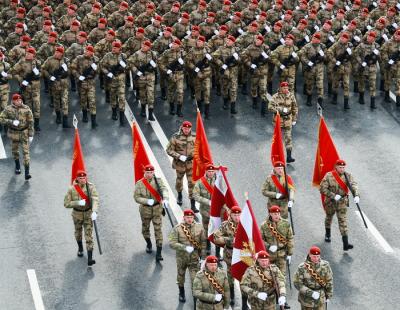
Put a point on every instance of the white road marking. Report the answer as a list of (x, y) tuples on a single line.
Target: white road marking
[(377, 235), (2, 150), (37, 297)]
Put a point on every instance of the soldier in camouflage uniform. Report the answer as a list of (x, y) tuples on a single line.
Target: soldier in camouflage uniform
[(117, 19), (14, 38), (199, 15), (62, 8), (112, 6), (259, 282), (354, 10), (209, 27), (41, 36), (335, 187), (223, 16), (301, 34), (188, 239), (236, 26), (285, 103), (9, 25), (274, 14), (19, 121), (4, 86), (76, 49), (210, 287), (153, 30), (90, 21), (87, 7), (249, 14), (126, 31), (9, 12), (144, 19), (98, 33), (82, 197), (133, 44), (65, 21), (164, 6), (274, 39), (69, 37), (214, 43), (379, 11), (314, 281), (19, 51), (224, 237), (103, 47), (35, 25), (151, 194), (182, 27), (172, 16)]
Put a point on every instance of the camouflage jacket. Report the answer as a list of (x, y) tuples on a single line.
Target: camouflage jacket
[(225, 236), (71, 200), (197, 17), (161, 44), (125, 32), (180, 30), (132, 45), (152, 32), (222, 17), (141, 61), (117, 19), (285, 55), (25, 117), (75, 50), (24, 68), (314, 53), (111, 61), (208, 29), (389, 51), (111, 7), (170, 18), (245, 39), (90, 21), (368, 53), (64, 23), (138, 7), (102, 48), (16, 53), (286, 105), (180, 144), (215, 6), (189, 6), (236, 29), (170, 58), (201, 194), (285, 245), (68, 37), (4, 67), (248, 15), (39, 39), (339, 52), (329, 187), (274, 39), (198, 57), (270, 190), (178, 241), (13, 39), (96, 35), (144, 19), (216, 42), (223, 53), (80, 66), (46, 51), (58, 69), (142, 194), (164, 6), (256, 55)]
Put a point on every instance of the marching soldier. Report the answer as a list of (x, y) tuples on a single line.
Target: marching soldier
[(335, 186), (76, 49), (214, 43), (144, 19), (225, 237), (133, 44), (82, 197), (285, 103), (4, 86), (153, 30), (65, 21), (91, 20), (236, 25), (19, 121), (274, 39), (182, 27), (90, 8), (199, 15), (98, 33), (69, 37), (313, 279), (209, 27), (180, 148), (211, 287), (390, 55), (14, 38), (188, 239), (19, 51), (264, 283), (223, 16), (126, 31), (9, 25), (151, 194), (171, 17), (117, 18)]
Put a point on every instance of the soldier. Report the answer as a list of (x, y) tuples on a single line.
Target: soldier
[(4, 86), (188, 239), (35, 25), (126, 31), (144, 19), (199, 15), (55, 69), (390, 56), (113, 65), (363, 20), (214, 43), (182, 27), (274, 14), (236, 25), (285, 103), (9, 12), (223, 16), (171, 66), (27, 73), (90, 21), (14, 38), (151, 194), (98, 33), (69, 37), (226, 59), (153, 30), (379, 11), (164, 6), (19, 121), (301, 12), (82, 197), (62, 9), (84, 68), (9, 25), (143, 65), (312, 57), (250, 13), (274, 39), (211, 287), (87, 7), (36, 10), (339, 22), (393, 20), (313, 280), (172, 16), (138, 7), (180, 148), (19, 51), (224, 237), (301, 34), (335, 187), (76, 49), (103, 47), (133, 44), (264, 283), (117, 19), (288, 22), (112, 6), (209, 27), (41, 36), (354, 11), (327, 12), (65, 21)]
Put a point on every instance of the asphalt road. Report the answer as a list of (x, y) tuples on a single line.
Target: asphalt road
[(37, 232)]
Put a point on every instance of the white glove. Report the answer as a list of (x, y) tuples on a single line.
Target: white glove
[(310, 63), (284, 110), (208, 56), (253, 66), (4, 74), (94, 216), (337, 197), (152, 63), (15, 122), (189, 249), (315, 295), (264, 54), (294, 54), (30, 140), (240, 30), (188, 32), (169, 71), (81, 78), (293, 123), (82, 202), (273, 248), (122, 63), (94, 66), (369, 27), (356, 199), (327, 301), (332, 39), (348, 50), (139, 73), (289, 259), (278, 195), (52, 78), (150, 202), (180, 60), (209, 203), (262, 296), (64, 66), (316, 28), (290, 204), (36, 71), (307, 38), (110, 75), (364, 64), (338, 63), (344, 26), (25, 83), (282, 40), (197, 70), (385, 37), (282, 300), (235, 55), (282, 67), (357, 38), (376, 52), (216, 32), (224, 67), (267, 28), (394, 25), (182, 158), (218, 297), (347, 8), (391, 62)]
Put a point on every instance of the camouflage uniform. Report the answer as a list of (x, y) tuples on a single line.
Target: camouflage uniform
[(203, 197), (287, 56), (138, 7), (273, 39), (4, 86), (198, 16), (151, 214), (68, 37), (214, 43), (144, 19), (117, 19), (125, 32), (207, 29), (111, 7), (64, 22), (16, 53), (12, 40), (390, 55), (152, 32), (170, 18), (90, 21), (180, 30)]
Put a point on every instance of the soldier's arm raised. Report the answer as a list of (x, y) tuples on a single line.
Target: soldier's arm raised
[(196, 194), (137, 195), (68, 202)]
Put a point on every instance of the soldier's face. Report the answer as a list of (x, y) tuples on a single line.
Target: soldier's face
[(315, 258), (51, 39), (186, 130), (340, 169), (210, 173), (284, 90), (279, 170), (343, 40), (58, 55), (210, 20), (212, 267), (139, 35), (275, 217), (200, 44), (301, 26), (81, 180), (74, 28), (24, 43), (227, 8), (263, 262), (370, 39), (116, 50), (101, 26), (195, 33), (17, 102), (229, 42), (71, 12), (81, 40), (156, 23), (29, 56), (148, 174), (340, 16), (315, 41), (288, 17), (277, 29), (397, 37), (89, 54), (95, 10), (327, 27), (235, 217), (145, 48), (175, 9), (188, 219), (288, 42), (222, 33)]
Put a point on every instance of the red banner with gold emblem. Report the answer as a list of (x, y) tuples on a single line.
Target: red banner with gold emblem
[(140, 158), (202, 153), (77, 158), (277, 149)]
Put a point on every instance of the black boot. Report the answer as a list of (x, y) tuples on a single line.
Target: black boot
[(382, 86), (80, 248), (51, 103), (304, 89), (387, 96), (355, 87), (327, 235), (179, 110), (143, 110), (308, 103), (163, 94), (244, 302), (329, 88), (193, 206), (397, 101), (151, 116), (84, 116), (361, 98), (233, 108), (346, 244), (286, 306), (108, 97), (373, 105), (93, 119), (122, 118), (320, 101), (182, 297), (114, 114), (149, 246), (171, 108), (208, 248), (36, 124), (179, 199), (46, 85), (158, 254), (346, 103), (255, 103), (200, 106), (289, 157), (218, 89), (17, 167), (90, 260), (27, 175), (232, 289), (65, 122), (270, 88), (192, 93), (207, 111), (334, 99), (73, 84), (244, 88), (58, 117), (226, 104), (263, 110)]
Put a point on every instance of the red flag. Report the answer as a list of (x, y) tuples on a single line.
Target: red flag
[(222, 195), (77, 158), (202, 154), (140, 158), (277, 149), (247, 242), (326, 154)]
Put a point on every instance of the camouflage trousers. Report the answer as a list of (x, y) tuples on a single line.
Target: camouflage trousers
[(312, 77), (392, 75), (163, 78), (287, 136), (258, 86), (228, 262), (117, 92), (258, 304), (60, 99), (329, 72), (270, 75), (84, 223), (279, 261), (4, 92), (341, 74), (145, 86), (317, 307), (289, 75), (205, 216), (229, 83), (31, 96), (202, 89), (87, 95), (181, 170), (175, 84), (369, 74), (153, 215), (20, 138), (183, 262), (341, 213), (283, 205)]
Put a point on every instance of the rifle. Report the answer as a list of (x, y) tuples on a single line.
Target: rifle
[(371, 59), (261, 60), (290, 277), (344, 57), (316, 59), (59, 74), (352, 192), (117, 69), (89, 72), (202, 64), (288, 196), (94, 222), (289, 61), (276, 287), (230, 62), (165, 208), (395, 56), (275, 45), (145, 68), (175, 66)]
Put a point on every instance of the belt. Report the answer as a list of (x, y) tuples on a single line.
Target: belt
[(19, 129), (211, 303), (229, 248), (77, 210)]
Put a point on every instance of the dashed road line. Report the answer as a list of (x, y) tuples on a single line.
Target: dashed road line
[(37, 296)]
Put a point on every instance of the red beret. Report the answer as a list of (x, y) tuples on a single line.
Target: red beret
[(254, 24), (263, 14), (202, 3), (238, 14), (223, 27), (16, 97), (188, 212), (353, 22), (102, 20), (124, 4), (147, 43), (314, 250), (140, 30), (260, 37), (185, 15), (280, 163), (187, 124), (53, 34), (341, 11), (262, 255), (47, 22), (313, 11), (72, 7), (211, 259), (227, 2), (60, 49), (116, 43), (177, 4), (331, 2), (90, 48), (21, 25), (290, 36), (195, 28), (392, 9), (383, 1), (340, 162), (158, 17), (358, 2), (372, 34), (149, 168), (130, 18), (317, 35), (210, 167), (278, 23), (279, 2), (254, 2), (21, 10), (284, 84), (47, 9), (274, 209), (236, 210), (303, 21), (397, 33), (177, 42), (31, 50), (150, 6), (382, 20), (169, 29), (365, 10), (81, 173), (232, 38), (82, 34), (112, 32), (96, 5), (211, 14), (289, 12), (201, 38), (345, 35), (26, 38), (75, 23)]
